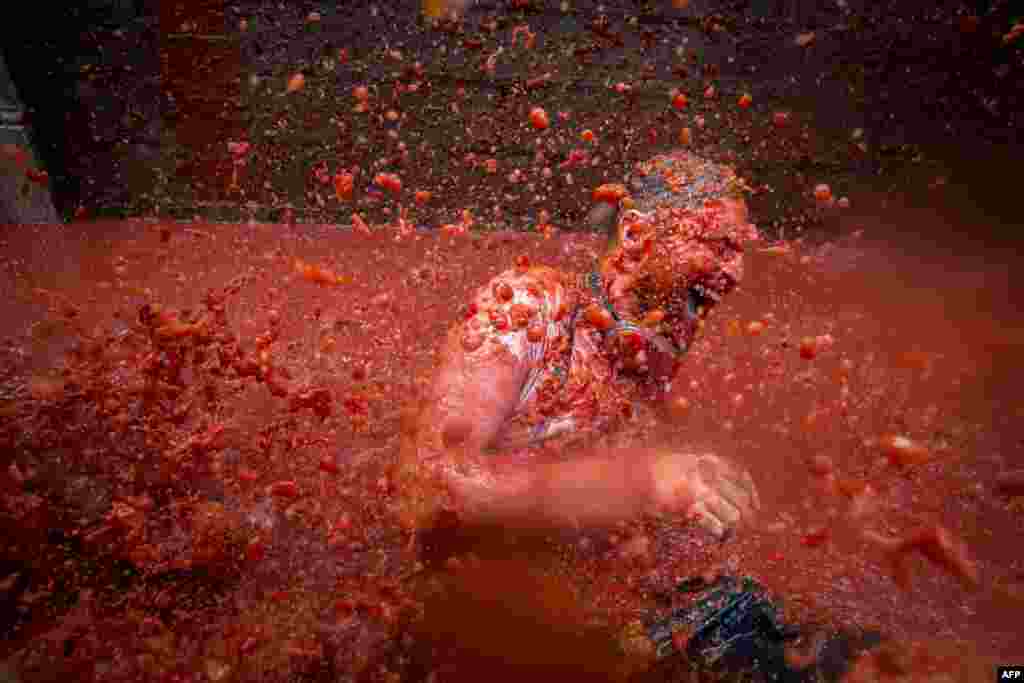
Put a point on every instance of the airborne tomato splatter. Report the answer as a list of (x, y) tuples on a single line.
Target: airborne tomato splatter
[(539, 118)]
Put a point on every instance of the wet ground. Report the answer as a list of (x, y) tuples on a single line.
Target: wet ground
[(171, 513)]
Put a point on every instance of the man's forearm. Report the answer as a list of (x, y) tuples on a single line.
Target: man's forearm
[(592, 492), (600, 490)]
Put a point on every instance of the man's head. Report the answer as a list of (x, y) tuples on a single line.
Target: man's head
[(675, 244)]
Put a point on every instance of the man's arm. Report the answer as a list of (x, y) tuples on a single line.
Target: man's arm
[(472, 394), (476, 390), (482, 368), (601, 490), (595, 490)]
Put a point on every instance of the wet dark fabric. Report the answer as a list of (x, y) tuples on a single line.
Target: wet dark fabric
[(735, 633)]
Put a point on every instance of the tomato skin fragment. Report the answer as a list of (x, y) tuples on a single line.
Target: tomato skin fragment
[(653, 318), (246, 474), (499, 320), (808, 348), (611, 193), (815, 537), (503, 291), (521, 315), (37, 176), (599, 317), (256, 550), (344, 183), (901, 451), (284, 489), (389, 181), (316, 274)]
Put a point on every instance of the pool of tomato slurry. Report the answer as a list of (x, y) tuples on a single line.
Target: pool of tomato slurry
[(866, 384)]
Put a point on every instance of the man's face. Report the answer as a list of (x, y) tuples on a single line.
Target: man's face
[(666, 268)]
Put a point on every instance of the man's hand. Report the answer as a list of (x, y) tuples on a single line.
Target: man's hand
[(720, 495)]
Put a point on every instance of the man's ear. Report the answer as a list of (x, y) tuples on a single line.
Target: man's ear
[(604, 218)]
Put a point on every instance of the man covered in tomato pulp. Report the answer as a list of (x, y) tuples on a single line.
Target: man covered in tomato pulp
[(543, 353)]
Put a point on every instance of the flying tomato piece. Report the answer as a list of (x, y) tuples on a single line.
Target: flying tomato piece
[(611, 193), (296, 83), (539, 118), (343, 185), (389, 181), (284, 489)]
